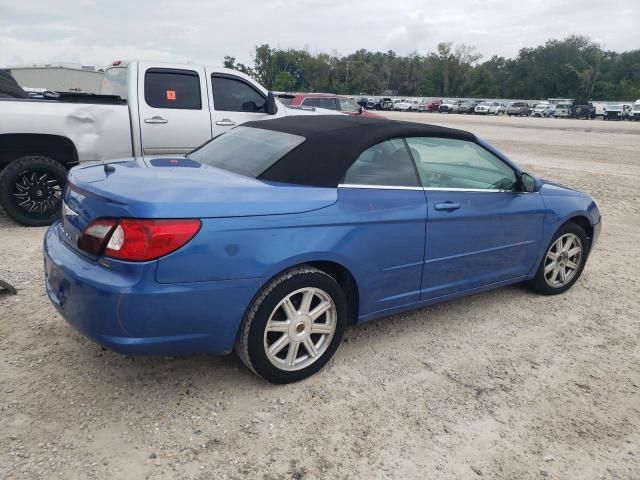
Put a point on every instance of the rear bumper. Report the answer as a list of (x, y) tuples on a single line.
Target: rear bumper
[(126, 310)]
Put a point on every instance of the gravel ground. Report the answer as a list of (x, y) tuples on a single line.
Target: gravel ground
[(504, 384)]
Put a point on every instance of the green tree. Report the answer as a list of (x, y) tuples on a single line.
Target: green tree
[(572, 67)]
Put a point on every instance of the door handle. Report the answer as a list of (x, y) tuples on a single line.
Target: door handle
[(225, 122), (156, 119), (449, 206)]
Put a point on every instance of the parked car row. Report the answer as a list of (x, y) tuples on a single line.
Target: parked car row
[(545, 109), (326, 101), (556, 108)]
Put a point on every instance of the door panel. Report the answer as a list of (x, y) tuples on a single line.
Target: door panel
[(386, 242), (381, 198), (235, 100), (491, 236), (479, 229), (173, 109)]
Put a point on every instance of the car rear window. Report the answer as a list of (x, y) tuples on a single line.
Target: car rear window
[(172, 88), (245, 150)]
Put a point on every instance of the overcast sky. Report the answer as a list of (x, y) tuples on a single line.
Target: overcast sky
[(96, 32)]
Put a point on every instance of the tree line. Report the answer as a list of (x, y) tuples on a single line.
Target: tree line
[(574, 67)]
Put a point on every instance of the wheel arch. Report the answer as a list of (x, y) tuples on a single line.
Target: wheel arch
[(337, 270), (347, 282), (583, 222), (56, 147)]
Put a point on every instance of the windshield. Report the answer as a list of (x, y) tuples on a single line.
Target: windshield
[(484, 104), (347, 105), (285, 99), (114, 82), (246, 151), (636, 107), (614, 107)]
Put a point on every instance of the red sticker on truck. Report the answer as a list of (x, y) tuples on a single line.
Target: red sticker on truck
[(171, 94)]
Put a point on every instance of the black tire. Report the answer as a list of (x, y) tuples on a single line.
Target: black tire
[(250, 343), (35, 179), (539, 284)]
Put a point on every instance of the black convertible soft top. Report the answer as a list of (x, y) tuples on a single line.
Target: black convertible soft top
[(334, 142)]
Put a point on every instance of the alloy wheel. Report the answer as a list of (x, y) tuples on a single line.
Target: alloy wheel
[(300, 329), (563, 260)]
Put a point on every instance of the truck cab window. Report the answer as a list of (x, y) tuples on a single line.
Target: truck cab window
[(234, 95), (172, 88)]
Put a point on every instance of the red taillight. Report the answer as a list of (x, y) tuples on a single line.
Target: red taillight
[(96, 235), (141, 240)]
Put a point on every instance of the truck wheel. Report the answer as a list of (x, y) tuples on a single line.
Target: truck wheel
[(31, 190)]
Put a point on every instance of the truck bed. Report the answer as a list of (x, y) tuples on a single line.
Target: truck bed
[(99, 127)]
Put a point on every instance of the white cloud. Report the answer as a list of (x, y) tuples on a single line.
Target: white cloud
[(92, 32)]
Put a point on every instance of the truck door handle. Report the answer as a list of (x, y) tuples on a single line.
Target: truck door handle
[(156, 119), (449, 206), (225, 122)]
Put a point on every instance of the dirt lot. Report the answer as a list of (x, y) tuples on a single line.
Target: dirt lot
[(505, 384)]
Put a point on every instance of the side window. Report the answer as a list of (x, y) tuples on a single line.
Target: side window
[(347, 105), (320, 102), (385, 164), (234, 95), (449, 163), (172, 88)]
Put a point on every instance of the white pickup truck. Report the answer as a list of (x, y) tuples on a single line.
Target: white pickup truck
[(147, 109)]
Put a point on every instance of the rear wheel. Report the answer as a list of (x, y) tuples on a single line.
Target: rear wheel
[(31, 190), (294, 326), (563, 261)]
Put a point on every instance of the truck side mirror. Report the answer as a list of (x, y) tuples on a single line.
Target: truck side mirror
[(271, 107)]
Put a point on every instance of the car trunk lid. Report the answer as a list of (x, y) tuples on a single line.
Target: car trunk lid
[(176, 188)]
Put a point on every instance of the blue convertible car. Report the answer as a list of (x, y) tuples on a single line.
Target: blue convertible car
[(276, 235)]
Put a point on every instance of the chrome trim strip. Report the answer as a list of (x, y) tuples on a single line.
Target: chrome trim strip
[(379, 187), (490, 190), (426, 189)]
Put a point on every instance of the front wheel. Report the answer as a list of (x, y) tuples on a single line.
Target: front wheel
[(563, 261), (31, 190), (294, 326)]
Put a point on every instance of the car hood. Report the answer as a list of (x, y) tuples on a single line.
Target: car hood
[(183, 188)]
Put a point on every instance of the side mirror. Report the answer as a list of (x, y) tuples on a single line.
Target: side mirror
[(271, 108), (527, 183), (360, 109)]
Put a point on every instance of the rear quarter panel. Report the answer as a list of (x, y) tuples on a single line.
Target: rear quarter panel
[(263, 246), (98, 131)]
